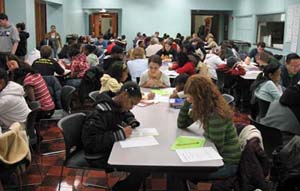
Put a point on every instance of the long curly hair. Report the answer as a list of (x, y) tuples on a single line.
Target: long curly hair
[(207, 99)]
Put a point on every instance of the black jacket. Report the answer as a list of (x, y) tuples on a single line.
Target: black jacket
[(22, 47), (47, 67), (254, 167), (101, 128)]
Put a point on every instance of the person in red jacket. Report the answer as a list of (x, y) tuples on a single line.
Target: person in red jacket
[(183, 65), (232, 67)]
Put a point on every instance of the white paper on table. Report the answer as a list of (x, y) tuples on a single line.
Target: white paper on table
[(144, 132), (171, 73), (198, 154), (139, 142), (159, 98)]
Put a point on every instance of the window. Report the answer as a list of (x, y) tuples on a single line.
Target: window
[(270, 29)]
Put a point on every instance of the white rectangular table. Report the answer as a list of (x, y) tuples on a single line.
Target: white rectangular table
[(159, 157)]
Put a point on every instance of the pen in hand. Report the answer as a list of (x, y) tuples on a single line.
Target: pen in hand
[(127, 130)]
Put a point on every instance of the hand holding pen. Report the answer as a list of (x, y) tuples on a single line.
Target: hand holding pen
[(127, 130)]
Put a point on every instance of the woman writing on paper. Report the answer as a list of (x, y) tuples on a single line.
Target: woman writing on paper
[(215, 116)]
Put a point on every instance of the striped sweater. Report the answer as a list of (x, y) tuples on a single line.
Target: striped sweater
[(221, 132)]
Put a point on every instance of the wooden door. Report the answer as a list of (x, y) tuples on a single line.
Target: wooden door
[(2, 6), (97, 19), (40, 21)]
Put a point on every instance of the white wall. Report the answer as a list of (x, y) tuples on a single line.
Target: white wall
[(165, 16), (244, 20)]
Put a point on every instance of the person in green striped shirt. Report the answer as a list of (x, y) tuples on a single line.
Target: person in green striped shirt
[(210, 108)]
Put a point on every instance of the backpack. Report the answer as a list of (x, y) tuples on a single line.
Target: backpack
[(287, 165)]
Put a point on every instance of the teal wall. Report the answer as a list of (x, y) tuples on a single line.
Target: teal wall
[(67, 15), (167, 16), (244, 20), (22, 11)]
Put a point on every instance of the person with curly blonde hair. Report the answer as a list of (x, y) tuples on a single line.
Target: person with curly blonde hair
[(215, 116)]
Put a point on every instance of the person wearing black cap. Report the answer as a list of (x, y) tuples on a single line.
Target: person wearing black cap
[(117, 53), (111, 121)]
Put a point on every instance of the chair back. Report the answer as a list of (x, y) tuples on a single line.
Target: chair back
[(66, 97), (272, 137), (30, 122), (54, 89), (220, 81), (263, 107), (93, 95), (228, 98), (71, 127)]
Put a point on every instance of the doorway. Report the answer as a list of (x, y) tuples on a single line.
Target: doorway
[(40, 21), (100, 23), (2, 6), (215, 22)]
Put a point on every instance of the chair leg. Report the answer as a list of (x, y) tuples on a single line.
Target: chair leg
[(144, 184), (60, 178)]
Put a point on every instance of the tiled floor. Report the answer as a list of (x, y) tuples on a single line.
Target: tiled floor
[(51, 166)]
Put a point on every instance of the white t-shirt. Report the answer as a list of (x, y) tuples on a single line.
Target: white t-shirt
[(163, 78), (212, 62)]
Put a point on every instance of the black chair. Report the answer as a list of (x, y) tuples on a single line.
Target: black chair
[(66, 100), (93, 95), (263, 107), (272, 138), (55, 90), (228, 98), (220, 81), (71, 127)]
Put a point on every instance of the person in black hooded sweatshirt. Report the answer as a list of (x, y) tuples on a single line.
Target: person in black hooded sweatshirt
[(112, 121)]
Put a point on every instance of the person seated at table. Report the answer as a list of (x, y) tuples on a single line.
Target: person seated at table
[(216, 118), (179, 83), (232, 67), (89, 50), (117, 53), (13, 62), (260, 48), (167, 53), (112, 121), (153, 48), (183, 64), (138, 64), (13, 107), (153, 77), (36, 90), (45, 65), (290, 72), (284, 114), (78, 66), (212, 61), (266, 86), (114, 77), (265, 89), (262, 59), (210, 42)]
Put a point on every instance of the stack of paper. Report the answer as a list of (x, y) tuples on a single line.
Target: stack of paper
[(138, 142), (144, 132), (198, 154)]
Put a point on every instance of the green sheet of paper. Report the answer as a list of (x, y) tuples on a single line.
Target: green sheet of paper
[(186, 142), (160, 92)]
